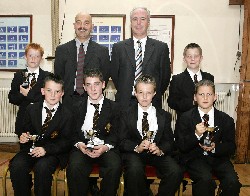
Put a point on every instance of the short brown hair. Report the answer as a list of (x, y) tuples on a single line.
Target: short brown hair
[(192, 45), (92, 73), (146, 79), (204, 83), (34, 46)]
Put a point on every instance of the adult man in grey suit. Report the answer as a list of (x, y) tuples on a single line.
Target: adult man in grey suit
[(155, 60), (66, 57)]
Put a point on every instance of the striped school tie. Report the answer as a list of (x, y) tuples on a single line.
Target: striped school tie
[(96, 115), (47, 119)]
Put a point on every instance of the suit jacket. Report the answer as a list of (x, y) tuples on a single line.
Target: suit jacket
[(97, 56), (57, 137), (181, 91), (16, 98), (188, 144), (156, 63), (108, 116), (130, 136)]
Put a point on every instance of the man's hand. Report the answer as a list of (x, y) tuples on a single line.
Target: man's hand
[(38, 152)]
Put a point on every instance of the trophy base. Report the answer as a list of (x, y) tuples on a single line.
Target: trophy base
[(207, 143), (31, 149), (90, 147)]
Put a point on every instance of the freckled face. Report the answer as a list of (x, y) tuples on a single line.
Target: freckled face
[(33, 58)]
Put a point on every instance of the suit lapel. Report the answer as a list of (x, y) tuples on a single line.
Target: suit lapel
[(72, 50), (196, 116), (133, 118), (149, 48), (188, 79), (83, 111), (105, 112), (90, 52), (129, 47), (38, 118), (161, 122)]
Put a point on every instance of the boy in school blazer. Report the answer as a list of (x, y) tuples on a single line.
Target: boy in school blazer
[(48, 124), (154, 146), (21, 95)]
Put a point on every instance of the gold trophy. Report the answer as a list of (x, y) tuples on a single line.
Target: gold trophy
[(209, 134), (148, 136), (90, 135), (34, 139)]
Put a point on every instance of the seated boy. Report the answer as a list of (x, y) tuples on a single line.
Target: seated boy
[(95, 139), (26, 84), (46, 141), (206, 140), (147, 139), (181, 89)]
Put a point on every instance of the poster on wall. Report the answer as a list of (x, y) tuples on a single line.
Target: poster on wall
[(108, 29), (162, 28), (15, 34)]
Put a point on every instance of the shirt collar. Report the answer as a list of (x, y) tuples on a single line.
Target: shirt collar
[(100, 102), (192, 73), (85, 44), (210, 113), (143, 41), (55, 107), (36, 71), (149, 110)]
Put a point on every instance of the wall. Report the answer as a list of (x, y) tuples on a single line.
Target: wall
[(213, 24)]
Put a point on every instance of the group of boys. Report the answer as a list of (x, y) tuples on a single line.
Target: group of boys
[(94, 130)]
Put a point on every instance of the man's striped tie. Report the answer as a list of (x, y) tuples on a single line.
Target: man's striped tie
[(138, 60)]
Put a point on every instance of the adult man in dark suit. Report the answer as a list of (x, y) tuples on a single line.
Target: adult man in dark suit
[(22, 95), (154, 57), (66, 57), (147, 141), (98, 114), (181, 88), (49, 125), (201, 154)]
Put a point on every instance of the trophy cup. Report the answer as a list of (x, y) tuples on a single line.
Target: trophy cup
[(148, 136), (209, 132), (90, 135), (25, 83), (33, 138)]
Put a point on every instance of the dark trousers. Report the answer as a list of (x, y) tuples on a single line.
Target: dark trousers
[(135, 179), (200, 171), (20, 167), (79, 169)]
